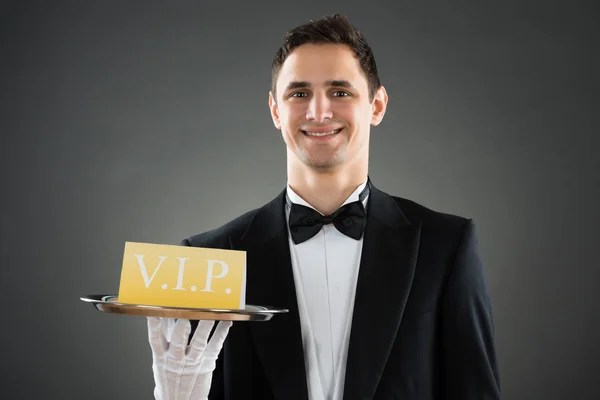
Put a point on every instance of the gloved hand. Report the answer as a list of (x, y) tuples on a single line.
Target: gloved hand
[(182, 371)]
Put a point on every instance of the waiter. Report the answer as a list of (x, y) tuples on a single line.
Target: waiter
[(387, 298)]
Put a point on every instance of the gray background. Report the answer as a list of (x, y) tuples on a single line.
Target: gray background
[(148, 121)]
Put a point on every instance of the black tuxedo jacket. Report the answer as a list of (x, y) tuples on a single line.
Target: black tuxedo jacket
[(421, 326)]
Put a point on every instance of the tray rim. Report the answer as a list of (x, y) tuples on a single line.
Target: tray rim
[(99, 299)]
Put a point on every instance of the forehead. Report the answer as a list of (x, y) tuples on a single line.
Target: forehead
[(319, 63)]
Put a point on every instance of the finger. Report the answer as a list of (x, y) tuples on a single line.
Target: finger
[(179, 339), (218, 338), (169, 328), (164, 331), (155, 335), (200, 339)]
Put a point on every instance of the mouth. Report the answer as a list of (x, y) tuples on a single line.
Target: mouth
[(320, 134)]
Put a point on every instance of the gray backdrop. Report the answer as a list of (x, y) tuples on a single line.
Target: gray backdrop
[(148, 121)]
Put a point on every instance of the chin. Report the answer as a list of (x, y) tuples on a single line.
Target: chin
[(321, 160), (323, 164)]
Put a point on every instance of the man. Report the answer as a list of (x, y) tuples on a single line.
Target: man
[(386, 298)]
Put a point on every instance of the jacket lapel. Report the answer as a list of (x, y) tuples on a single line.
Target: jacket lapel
[(270, 282), (385, 277)]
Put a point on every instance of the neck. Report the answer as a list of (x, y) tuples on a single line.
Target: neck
[(326, 191)]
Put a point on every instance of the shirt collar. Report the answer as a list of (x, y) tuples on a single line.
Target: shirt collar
[(354, 196)]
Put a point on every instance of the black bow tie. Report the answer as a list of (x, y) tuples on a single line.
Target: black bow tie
[(350, 219)]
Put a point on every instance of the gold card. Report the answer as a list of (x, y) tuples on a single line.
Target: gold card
[(183, 276)]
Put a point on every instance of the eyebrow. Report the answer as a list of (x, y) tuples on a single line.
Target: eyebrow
[(304, 84)]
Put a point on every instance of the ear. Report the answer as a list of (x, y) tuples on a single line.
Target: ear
[(379, 106), (274, 111)]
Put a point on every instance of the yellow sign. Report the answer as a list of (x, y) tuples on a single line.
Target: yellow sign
[(183, 276)]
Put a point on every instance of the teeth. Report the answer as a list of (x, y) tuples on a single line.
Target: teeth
[(322, 133)]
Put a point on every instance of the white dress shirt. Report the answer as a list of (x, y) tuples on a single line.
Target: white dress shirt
[(325, 271)]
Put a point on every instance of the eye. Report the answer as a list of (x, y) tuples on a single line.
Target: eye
[(298, 94), (340, 93)]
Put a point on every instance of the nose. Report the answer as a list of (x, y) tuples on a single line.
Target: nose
[(319, 109)]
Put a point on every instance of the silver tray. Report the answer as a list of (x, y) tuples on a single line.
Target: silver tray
[(110, 304)]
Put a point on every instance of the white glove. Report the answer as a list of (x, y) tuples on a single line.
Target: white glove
[(182, 371)]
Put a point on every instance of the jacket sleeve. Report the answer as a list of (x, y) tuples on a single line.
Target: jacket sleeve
[(469, 364), (217, 389)]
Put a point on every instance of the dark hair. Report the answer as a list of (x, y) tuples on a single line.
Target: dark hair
[(331, 29)]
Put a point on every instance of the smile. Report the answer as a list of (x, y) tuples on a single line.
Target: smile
[(322, 133)]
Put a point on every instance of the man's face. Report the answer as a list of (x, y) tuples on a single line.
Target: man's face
[(322, 106)]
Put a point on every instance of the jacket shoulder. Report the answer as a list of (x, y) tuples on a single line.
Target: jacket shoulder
[(442, 233), (219, 237), (432, 220)]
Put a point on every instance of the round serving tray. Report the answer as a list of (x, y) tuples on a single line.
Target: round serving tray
[(110, 304)]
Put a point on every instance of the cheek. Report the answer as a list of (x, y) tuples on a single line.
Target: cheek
[(363, 116), (351, 112), (297, 112), (291, 116), (360, 120)]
